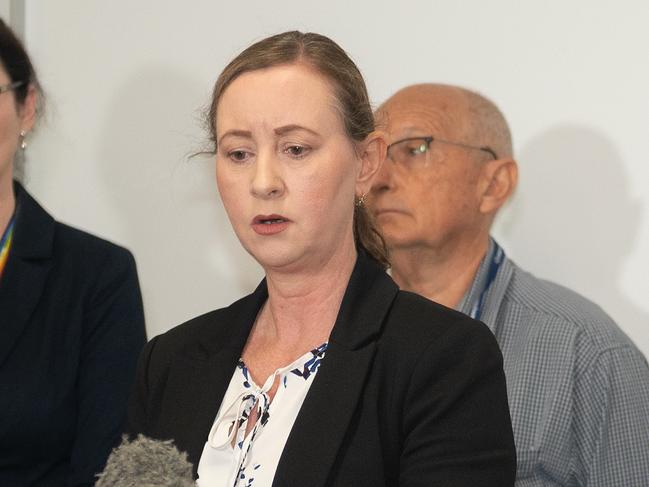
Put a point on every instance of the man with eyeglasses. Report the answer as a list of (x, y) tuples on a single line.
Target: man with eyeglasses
[(578, 387)]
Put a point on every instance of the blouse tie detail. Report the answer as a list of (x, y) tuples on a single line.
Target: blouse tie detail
[(232, 458)]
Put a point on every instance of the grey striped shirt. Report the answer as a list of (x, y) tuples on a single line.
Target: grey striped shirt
[(578, 387)]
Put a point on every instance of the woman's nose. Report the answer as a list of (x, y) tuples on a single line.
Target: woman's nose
[(267, 181)]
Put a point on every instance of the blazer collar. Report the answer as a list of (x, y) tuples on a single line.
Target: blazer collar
[(34, 230), (26, 271), (368, 297), (202, 372), (334, 393), (324, 419)]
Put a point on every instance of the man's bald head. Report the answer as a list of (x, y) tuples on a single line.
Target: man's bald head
[(441, 186), (473, 118)]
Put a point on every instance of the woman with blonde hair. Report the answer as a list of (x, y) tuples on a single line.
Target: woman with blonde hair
[(326, 374)]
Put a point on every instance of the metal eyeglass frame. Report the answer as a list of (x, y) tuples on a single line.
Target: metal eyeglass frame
[(430, 139), (11, 86)]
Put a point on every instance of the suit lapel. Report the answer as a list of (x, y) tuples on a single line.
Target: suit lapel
[(23, 279), (328, 408), (199, 377), (197, 390)]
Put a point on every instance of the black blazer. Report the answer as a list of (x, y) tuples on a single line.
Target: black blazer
[(71, 328), (410, 393)]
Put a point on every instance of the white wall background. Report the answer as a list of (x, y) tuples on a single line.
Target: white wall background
[(126, 81)]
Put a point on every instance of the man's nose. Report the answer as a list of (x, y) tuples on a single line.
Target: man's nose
[(384, 178)]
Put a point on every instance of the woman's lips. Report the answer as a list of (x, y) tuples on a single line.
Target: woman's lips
[(269, 224)]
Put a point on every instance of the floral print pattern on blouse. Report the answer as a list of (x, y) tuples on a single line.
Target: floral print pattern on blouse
[(233, 459)]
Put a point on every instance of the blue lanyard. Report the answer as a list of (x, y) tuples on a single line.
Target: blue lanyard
[(497, 258)]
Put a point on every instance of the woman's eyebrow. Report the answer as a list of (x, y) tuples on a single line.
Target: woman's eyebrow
[(235, 133), (292, 128)]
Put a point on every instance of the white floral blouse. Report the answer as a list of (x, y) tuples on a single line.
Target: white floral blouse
[(233, 459)]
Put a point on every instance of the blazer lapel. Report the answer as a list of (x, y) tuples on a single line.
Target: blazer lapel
[(200, 376), (312, 447), (24, 276), (202, 386)]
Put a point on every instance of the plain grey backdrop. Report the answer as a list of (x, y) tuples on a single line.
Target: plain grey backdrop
[(126, 83)]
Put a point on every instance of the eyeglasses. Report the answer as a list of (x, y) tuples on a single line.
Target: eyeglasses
[(413, 151), (11, 86)]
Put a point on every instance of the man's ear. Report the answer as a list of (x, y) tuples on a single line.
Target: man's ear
[(498, 181), (373, 152), (27, 110)]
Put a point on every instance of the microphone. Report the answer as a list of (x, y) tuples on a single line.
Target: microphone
[(145, 462)]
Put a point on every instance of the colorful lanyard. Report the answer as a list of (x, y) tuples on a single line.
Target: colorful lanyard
[(5, 243), (497, 258)]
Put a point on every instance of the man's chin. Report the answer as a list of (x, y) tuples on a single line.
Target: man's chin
[(393, 231), (396, 241)]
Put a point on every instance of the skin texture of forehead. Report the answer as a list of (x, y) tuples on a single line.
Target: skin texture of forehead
[(453, 112), (445, 108), (305, 68)]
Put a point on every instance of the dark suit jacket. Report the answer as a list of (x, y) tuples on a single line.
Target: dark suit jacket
[(409, 393), (71, 327)]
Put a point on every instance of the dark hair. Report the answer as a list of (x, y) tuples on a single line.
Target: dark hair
[(16, 62), (330, 60)]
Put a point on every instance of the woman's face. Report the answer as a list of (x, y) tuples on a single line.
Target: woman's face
[(286, 170), (14, 118)]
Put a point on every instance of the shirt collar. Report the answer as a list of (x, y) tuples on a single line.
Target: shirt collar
[(473, 293), (493, 303)]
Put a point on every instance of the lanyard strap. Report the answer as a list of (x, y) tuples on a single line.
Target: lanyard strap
[(497, 258), (5, 243)]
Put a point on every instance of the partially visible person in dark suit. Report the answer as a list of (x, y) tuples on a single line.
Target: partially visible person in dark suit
[(71, 320), (327, 374)]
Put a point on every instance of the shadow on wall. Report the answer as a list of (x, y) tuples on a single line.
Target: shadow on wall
[(574, 221), (189, 260)]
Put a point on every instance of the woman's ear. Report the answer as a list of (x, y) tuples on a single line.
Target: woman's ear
[(373, 153), (27, 110), (499, 179)]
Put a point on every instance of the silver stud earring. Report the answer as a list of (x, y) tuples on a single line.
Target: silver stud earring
[(361, 201), (23, 142)]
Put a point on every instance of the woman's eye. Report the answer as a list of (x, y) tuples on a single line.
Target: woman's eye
[(238, 155), (297, 150)]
